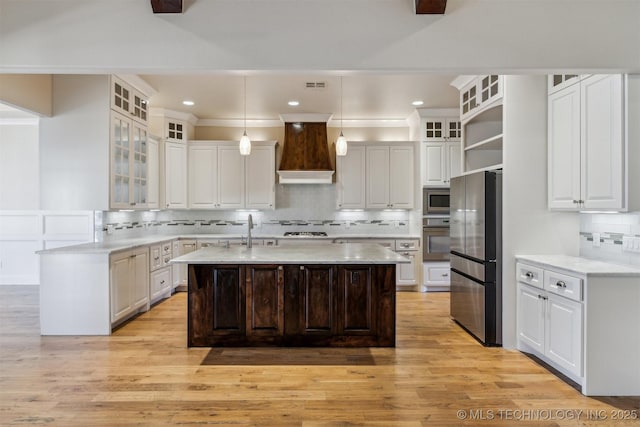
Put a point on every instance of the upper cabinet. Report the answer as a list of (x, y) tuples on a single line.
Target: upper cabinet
[(351, 178), (590, 141), (390, 177), (221, 178), (560, 81), (174, 176), (376, 175), (481, 112), (440, 134), (127, 100), (478, 93), (129, 151), (129, 165), (172, 126)]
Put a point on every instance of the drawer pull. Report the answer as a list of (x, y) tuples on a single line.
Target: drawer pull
[(529, 275), (162, 282), (445, 274), (561, 284)]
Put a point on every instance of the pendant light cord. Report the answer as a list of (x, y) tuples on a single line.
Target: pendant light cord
[(341, 106), (245, 105)]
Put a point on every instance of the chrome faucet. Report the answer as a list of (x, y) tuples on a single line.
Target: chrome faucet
[(249, 226)]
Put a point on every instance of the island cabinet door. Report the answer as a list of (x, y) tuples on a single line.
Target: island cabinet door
[(265, 300), (216, 304), (357, 301), (317, 299)]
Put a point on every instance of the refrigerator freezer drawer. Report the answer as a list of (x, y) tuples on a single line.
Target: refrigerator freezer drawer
[(468, 305), (481, 271)]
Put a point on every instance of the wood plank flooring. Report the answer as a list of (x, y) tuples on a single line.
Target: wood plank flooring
[(145, 375)]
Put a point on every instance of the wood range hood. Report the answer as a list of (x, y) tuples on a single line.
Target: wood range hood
[(305, 153)]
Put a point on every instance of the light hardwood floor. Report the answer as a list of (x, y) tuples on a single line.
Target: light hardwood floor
[(145, 375)]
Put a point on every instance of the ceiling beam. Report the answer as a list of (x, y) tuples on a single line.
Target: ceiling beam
[(167, 6), (431, 7)]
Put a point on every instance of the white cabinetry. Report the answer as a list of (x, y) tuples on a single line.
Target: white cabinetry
[(390, 176), (548, 323), (174, 188), (408, 274), (481, 112), (128, 163), (221, 178), (160, 271), (436, 276), (179, 272), (478, 93), (260, 181), (351, 178), (584, 325), (129, 283), (440, 129), (129, 101), (440, 162), (588, 145), (153, 172)]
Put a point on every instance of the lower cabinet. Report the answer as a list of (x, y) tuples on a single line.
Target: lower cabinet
[(129, 283), (436, 276), (552, 326), (293, 305)]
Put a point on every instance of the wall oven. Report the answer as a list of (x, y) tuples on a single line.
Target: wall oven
[(435, 201), (435, 239)]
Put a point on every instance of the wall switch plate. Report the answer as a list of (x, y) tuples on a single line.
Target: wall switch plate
[(110, 228), (596, 239), (631, 244)]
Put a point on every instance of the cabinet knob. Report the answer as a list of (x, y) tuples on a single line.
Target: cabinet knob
[(302, 267), (529, 274), (280, 268), (162, 282), (445, 274), (561, 284)]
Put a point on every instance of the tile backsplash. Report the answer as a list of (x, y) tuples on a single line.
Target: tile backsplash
[(299, 208), (610, 229)]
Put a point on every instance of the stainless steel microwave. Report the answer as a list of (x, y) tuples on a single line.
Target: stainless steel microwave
[(435, 201)]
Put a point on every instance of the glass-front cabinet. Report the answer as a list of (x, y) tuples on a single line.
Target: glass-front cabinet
[(128, 163)]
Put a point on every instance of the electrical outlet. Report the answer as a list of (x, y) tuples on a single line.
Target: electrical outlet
[(109, 228), (596, 239)]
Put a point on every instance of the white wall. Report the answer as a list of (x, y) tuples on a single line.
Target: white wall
[(74, 145), (527, 226), (472, 36), (19, 164)]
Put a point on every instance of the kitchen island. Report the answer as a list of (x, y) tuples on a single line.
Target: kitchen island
[(340, 295)]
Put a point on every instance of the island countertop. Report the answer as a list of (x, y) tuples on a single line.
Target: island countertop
[(330, 253)]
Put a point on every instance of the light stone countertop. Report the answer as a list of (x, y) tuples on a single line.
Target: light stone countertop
[(584, 266), (330, 253), (112, 246)]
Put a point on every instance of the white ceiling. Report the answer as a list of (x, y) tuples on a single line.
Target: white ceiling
[(371, 96)]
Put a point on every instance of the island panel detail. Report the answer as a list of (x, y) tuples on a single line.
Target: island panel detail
[(291, 305)]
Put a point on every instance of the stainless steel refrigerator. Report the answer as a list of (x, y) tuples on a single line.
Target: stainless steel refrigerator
[(476, 252)]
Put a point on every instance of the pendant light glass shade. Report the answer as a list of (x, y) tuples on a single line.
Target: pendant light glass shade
[(341, 142), (245, 142), (341, 145)]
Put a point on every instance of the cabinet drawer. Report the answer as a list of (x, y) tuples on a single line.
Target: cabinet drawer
[(530, 275), (166, 248), (561, 284), (407, 245)]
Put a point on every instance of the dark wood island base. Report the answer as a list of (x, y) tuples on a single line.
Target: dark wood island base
[(327, 305)]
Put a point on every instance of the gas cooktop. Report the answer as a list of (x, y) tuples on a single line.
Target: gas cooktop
[(306, 233)]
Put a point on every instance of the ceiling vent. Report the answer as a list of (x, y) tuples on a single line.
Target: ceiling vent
[(316, 85)]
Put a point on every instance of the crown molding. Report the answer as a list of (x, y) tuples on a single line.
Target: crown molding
[(179, 115)]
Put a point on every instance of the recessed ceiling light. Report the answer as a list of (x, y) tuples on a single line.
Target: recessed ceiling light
[(417, 103), (293, 103), (188, 103)]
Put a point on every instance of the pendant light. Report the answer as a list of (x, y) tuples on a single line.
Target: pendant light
[(341, 142), (245, 142)]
